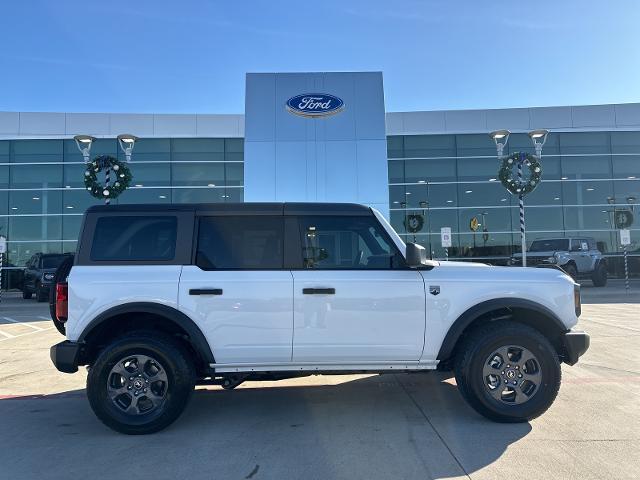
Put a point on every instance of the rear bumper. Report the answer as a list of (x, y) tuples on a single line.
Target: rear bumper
[(575, 343), (66, 356)]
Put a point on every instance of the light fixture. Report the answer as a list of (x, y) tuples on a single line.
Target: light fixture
[(424, 204), (407, 193), (468, 191), (557, 198), (84, 142), (396, 201), (538, 137), (492, 179), (449, 201), (127, 142), (36, 198), (139, 185), (500, 137), (631, 177), (564, 178), (14, 208), (211, 185), (631, 199), (590, 189), (503, 199), (421, 181), (162, 196), (69, 206)]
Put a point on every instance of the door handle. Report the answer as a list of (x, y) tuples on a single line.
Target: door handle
[(319, 291), (205, 291)]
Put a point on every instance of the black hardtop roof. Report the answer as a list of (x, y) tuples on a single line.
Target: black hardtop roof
[(245, 208)]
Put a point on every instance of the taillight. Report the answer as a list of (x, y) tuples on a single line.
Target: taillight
[(62, 298), (576, 299)]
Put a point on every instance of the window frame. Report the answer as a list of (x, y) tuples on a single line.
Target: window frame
[(295, 231), (184, 234)]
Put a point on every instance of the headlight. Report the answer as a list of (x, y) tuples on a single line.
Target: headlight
[(550, 260), (48, 276)]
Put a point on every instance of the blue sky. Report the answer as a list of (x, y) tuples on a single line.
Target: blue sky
[(192, 56)]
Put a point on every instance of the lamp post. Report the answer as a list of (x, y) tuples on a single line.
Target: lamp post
[(127, 142), (84, 142)]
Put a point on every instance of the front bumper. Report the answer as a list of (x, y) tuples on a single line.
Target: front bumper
[(575, 343), (66, 356)]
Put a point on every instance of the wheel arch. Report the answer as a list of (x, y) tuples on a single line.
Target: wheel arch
[(140, 315), (518, 309)]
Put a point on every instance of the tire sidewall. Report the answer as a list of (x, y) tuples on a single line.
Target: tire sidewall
[(547, 390), (180, 379)]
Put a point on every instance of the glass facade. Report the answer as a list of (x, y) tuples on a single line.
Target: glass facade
[(450, 180), (42, 194)]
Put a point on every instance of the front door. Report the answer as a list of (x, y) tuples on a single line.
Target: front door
[(354, 299), (238, 291)]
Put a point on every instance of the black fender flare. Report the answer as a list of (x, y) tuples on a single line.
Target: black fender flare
[(468, 317), (197, 338)]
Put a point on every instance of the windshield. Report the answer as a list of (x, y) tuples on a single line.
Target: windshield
[(550, 245), (52, 262)]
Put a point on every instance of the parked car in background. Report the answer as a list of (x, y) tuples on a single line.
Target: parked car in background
[(39, 274), (579, 257)]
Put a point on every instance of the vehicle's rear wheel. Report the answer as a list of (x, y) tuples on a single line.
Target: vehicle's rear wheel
[(141, 383), (508, 372), (571, 270), (599, 276), (26, 294)]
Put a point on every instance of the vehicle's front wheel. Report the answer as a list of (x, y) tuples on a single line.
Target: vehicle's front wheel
[(599, 276), (141, 383), (508, 372)]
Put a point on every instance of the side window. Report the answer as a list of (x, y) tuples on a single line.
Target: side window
[(241, 243), (134, 238), (346, 243)]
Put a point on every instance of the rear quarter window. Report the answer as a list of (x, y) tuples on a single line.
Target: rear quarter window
[(134, 238)]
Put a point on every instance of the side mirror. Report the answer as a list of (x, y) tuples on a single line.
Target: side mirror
[(416, 255)]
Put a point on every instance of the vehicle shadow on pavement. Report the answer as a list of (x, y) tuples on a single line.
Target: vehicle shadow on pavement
[(387, 426)]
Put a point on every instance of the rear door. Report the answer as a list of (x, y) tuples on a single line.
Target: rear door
[(238, 291), (354, 299)]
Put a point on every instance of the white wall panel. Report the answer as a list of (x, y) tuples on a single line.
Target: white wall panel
[(466, 120), (87, 124), (219, 126), (510, 118), (133, 123), (32, 123), (262, 174), (9, 123), (174, 125), (550, 117), (593, 116)]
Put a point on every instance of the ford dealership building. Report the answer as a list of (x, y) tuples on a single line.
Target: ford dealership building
[(327, 137)]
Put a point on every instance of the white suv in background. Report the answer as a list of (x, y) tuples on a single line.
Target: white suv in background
[(162, 298)]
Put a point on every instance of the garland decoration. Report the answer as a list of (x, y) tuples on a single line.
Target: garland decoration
[(122, 180), (530, 179)]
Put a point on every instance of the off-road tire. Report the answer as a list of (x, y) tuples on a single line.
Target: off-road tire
[(26, 294), (599, 276), (469, 363), (175, 360)]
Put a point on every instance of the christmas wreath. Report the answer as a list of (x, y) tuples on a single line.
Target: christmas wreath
[(121, 178), (530, 176)]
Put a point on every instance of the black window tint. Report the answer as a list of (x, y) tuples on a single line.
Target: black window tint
[(134, 238), (346, 243), (243, 242)]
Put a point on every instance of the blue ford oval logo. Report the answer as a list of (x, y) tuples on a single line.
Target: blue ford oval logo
[(315, 105)]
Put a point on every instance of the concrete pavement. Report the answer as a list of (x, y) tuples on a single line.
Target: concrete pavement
[(358, 426)]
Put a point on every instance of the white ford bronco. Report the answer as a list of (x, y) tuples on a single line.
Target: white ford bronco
[(163, 298)]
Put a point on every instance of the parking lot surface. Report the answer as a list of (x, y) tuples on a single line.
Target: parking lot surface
[(400, 426)]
